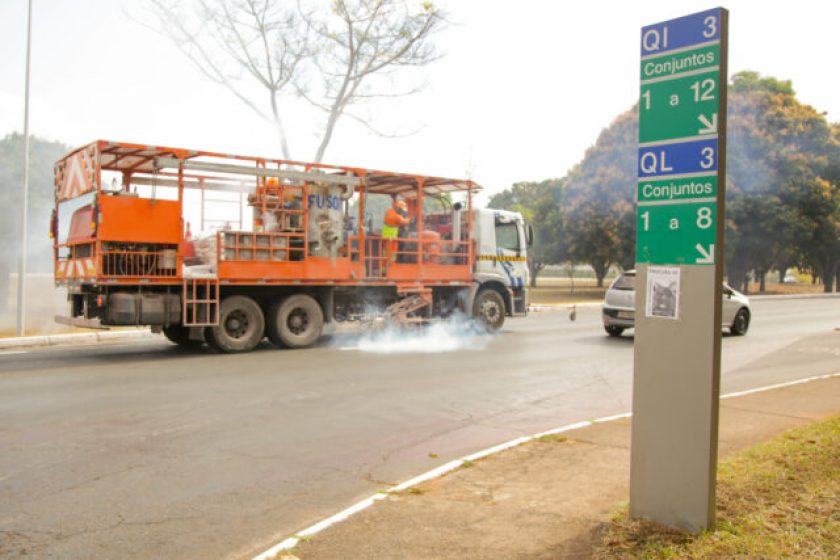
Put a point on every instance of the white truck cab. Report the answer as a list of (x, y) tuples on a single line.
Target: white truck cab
[(501, 279)]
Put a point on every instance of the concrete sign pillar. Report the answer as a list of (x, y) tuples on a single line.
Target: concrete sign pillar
[(679, 256)]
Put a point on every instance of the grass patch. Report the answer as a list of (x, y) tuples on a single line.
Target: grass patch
[(412, 490), (467, 464), (552, 438), (776, 500)]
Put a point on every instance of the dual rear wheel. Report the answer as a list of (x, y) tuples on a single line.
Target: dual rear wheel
[(293, 322)]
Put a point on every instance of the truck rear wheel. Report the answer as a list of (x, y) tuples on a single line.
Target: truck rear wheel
[(489, 309), (241, 326), (295, 322), (180, 335)]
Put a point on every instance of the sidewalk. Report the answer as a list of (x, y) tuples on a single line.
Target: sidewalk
[(548, 498), (92, 337)]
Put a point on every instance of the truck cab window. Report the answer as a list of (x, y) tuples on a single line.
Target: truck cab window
[(507, 236)]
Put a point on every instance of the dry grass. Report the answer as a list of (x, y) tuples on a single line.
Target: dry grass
[(560, 291), (776, 500), (787, 289)]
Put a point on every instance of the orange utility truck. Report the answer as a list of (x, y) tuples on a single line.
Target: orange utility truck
[(227, 250)]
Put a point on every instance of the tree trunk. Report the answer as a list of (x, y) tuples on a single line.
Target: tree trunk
[(828, 271), (281, 130), (762, 286), (572, 276), (600, 273), (4, 286), (534, 268)]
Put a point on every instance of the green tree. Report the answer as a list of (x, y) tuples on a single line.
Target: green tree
[(539, 204), (778, 156), (599, 203)]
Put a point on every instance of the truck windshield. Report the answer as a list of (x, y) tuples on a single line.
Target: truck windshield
[(507, 236)]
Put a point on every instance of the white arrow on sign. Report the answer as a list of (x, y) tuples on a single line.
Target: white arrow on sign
[(707, 257), (709, 127)]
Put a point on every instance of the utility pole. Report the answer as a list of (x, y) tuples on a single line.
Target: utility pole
[(21, 302)]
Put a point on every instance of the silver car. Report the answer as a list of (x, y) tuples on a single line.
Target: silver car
[(620, 304)]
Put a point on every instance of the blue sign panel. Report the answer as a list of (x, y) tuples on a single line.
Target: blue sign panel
[(682, 32), (699, 156)]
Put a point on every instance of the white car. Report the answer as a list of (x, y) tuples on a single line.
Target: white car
[(620, 305)]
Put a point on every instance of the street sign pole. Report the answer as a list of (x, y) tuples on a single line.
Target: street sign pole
[(679, 263), (21, 295)]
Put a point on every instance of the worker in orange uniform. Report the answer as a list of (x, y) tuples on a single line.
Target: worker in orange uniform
[(395, 218)]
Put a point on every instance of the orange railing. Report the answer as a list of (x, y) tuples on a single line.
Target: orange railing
[(253, 246), (406, 250)]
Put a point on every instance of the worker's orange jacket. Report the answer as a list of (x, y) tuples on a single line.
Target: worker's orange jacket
[(394, 219)]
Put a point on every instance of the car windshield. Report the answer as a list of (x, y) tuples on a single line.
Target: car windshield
[(624, 282)]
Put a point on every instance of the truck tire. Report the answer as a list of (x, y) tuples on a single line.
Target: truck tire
[(241, 326), (180, 335), (295, 322), (489, 309)]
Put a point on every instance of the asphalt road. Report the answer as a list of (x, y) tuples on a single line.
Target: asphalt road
[(142, 450)]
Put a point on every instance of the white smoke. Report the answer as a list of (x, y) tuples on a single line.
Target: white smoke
[(441, 335)]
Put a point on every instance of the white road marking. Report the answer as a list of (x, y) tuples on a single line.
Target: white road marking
[(293, 540), (8, 352)]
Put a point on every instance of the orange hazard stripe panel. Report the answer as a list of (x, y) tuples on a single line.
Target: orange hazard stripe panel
[(75, 267), (77, 176)]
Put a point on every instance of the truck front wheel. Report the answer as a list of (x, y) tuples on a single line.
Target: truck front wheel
[(295, 322), (241, 326), (489, 309)]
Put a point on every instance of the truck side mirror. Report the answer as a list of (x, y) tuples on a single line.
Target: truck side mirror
[(529, 234)]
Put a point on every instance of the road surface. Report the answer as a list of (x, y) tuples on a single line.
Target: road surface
[(142, 450)]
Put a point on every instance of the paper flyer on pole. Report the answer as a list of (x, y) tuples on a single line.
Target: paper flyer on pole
[(663, 293)]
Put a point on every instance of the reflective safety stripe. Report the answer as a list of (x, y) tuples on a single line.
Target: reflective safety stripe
[(500, 258), (390, 232)]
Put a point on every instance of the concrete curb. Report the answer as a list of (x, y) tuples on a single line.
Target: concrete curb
[(68, 339), (833, 295), (563, 306)]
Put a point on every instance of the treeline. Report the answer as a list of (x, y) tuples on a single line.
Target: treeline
[(782, 199), (43, 155)]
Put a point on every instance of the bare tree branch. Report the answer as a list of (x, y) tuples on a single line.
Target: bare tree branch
[(223, 38), (365, 39), (345, 56)]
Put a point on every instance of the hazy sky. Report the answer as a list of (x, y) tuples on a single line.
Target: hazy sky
[(521, 92)]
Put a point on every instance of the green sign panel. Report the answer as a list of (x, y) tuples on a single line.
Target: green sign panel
[(684, 188), (693, 60), (681, 114), (679, 108), (676, 233)]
